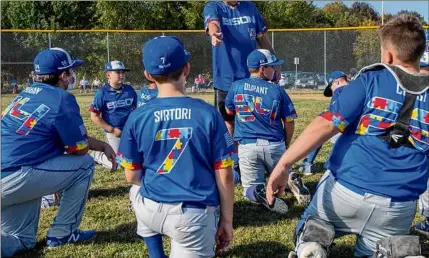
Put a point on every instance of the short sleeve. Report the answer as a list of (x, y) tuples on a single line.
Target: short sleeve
[(348, 106), (135, 98), (288, 111), (97, 104), (261, 26), (210, 14), (128, 155), (229, 102), (70, 126), (223, 147)]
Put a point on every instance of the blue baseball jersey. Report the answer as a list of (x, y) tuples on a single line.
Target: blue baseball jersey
[(362, 161), (259, 107), (114, 105), (42, 122), (241, 26), (178, 142), (145, 95)]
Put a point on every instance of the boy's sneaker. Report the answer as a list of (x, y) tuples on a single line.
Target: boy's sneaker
[(299, 190), (306, 169), (76, 237), (423, 227), (278, 205)]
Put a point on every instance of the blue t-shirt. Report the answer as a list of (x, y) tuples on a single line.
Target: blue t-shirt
[(115, 105), (145, 95), (259, 107), (178, 142), (42, 122), (362, 161), (241, 26)]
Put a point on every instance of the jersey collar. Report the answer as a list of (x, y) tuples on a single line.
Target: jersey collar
[(232, 6), (110, 89)]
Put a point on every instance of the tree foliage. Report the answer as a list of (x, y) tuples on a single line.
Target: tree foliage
[(355, 48)]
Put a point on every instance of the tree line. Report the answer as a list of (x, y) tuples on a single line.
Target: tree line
[(358, 48)]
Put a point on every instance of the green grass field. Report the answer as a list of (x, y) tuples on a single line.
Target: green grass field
[(257, 232)]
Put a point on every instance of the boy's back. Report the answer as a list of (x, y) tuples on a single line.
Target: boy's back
[(179, 142), (260, 106)]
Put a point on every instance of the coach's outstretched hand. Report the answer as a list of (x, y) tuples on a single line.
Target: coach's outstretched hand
[(111, 156), (277, 183), (223, 237)]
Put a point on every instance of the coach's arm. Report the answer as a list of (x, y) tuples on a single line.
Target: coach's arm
[(97, 145)]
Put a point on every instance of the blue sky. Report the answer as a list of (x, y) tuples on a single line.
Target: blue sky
[(393, 7)]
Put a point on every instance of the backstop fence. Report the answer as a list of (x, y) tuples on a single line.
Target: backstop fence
[(305, 51)]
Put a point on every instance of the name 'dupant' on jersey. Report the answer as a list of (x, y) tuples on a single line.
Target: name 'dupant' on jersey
[(257, 89), (172, 114), (120, 103)]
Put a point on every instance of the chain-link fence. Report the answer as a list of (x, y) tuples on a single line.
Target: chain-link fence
[(319, 52)]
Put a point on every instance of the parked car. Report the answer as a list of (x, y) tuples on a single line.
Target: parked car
[(306, 80)]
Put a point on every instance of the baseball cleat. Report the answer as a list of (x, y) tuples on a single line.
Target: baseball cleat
[(278, 205), (299, 190), (76, 237)]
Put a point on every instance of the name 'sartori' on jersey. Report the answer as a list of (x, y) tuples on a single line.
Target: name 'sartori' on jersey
[(172, 114)]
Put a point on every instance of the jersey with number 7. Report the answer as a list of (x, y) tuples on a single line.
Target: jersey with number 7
[(178, 142)]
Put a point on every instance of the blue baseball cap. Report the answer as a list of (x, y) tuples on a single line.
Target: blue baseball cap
[(115, 66), (164, 54), (262, 57), (54, 61), (331, 78)]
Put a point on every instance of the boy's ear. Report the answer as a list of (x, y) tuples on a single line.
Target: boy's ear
[(187, 69), (107, 74), (148, 77), (261, 69)]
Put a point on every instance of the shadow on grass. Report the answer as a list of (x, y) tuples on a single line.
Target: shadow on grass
[(259, 249), (108, 192), (251, 214), (37, 251), (123, 233)]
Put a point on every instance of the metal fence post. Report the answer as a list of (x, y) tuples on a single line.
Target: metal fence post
[(272, 39), (324, 52), (49, 40), (107, 47)]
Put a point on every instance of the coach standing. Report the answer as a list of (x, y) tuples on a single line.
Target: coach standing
[(234, 28)]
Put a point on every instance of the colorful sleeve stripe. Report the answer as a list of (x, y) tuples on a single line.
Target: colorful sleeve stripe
[(94, 109), (262, 33), (291, 118), (79, 146), (229, 111), (225, 162), (336, 119), (127, 163)]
